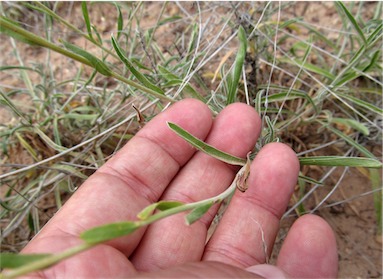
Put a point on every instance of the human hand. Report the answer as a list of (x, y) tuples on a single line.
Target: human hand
[(158, 165)]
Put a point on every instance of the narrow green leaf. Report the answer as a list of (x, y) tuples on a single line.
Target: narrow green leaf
[(318, 33), (238, 64), (38, 40), (362, 103), (85, 14), (27, 146), (303, 178), (108, 232), (309, 67), (8, 102), (73, 171), (162, 205), (165, 205), (376, 183), (193, 41), (99, 65), (353, 124), (289, 96), (206, 148), (341, 161), (14, 34), (270, 137), (350, 141), (376, 35), (48, 141), (147, 211), (347, 77), (374, 60), (169, 19), (356, 58), (8, 260), (352, 20), (133, 70), (5, 68), (173, 80), (78, 116), (197, 213), (56, 132), (99, 38)]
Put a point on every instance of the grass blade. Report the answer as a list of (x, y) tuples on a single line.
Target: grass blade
[(352, 21), (48, 141), (353, 124), (362, 103), (376, 35), (99, 65), (133, 70), (303, 178), (341, 161), (309, 67), (12, 32), (173, 80), (85, 14), (239, 60), (373, 62), (376, 182), (193, 42), (293, 94), (27, 146), (8, 102), (204, 147), (350, 141), (120, 21)]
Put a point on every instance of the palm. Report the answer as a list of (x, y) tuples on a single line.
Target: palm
[(156, 164)]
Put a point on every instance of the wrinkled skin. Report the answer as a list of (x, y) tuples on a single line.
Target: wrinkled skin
[(157, 164)]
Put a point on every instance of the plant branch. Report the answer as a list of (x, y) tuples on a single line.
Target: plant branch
[(45, 262), (54, 259)]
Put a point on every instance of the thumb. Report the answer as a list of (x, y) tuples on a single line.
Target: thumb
[(204, 269)]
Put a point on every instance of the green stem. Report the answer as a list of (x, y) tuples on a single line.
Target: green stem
[(190, 206), (54, 259), (41, 7), (4, 22), (44, 43), (46, 262), (143, 88)]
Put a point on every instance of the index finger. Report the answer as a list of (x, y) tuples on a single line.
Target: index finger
[(135, 177)]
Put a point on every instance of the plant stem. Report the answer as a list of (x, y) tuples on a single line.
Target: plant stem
[(54, 259), (4, 23), (143, 88), (41, 7), (190, 206), (46, 262)]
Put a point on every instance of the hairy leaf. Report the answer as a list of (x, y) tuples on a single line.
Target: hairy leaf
[(8, 260), (206, 148), (108, 232)]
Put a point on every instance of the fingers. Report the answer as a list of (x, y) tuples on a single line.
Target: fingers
[(247, 231), (171, 241), (309, 250), (200, 270), (132, 179)]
